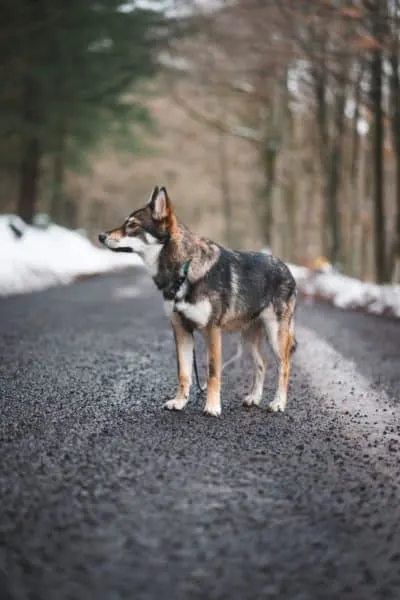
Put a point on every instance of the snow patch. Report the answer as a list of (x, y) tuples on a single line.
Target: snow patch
[(323, 281), (33, 258), (347, 292)]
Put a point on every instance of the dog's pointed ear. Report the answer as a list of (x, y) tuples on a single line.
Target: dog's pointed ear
[(160, 204)]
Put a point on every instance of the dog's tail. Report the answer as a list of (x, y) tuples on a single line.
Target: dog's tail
[(291, 323)]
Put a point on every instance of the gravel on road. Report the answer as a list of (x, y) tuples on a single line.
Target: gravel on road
[(106, 496)]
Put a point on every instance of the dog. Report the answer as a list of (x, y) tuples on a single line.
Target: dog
[(212, 289)]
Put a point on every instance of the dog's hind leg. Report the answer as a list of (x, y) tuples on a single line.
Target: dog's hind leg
[(184, 351), (253, 337), (281, 337)]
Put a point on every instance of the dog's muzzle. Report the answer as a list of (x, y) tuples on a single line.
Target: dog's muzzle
[(102, 237)]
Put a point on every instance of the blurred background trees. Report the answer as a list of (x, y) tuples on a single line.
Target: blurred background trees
[(273, 122), (66, 71)]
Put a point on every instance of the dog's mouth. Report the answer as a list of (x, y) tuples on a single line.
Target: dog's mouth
[(113, 244), (122, 249)]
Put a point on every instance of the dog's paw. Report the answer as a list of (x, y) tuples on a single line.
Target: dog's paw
[(277, 405), (251, 400), (213, 410), (175, 404)]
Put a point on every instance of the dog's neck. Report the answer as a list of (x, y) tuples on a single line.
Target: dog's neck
[(183, 246), (174, 283), (150, 257), (179, 246), (176, 251)]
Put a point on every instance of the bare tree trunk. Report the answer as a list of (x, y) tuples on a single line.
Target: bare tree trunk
[(395, 259), (394, 266), (290, 218), (320, 84), (334, 180), (290, 189), (31, 154), (379, 211), (57, 207), (360, 210), (225, 186), (269, 167), (330, 153), (272, 143), (356, 158)]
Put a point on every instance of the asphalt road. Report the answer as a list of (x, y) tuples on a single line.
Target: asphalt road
[(106, 496)]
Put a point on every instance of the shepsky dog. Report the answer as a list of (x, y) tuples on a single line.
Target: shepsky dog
[(212, 289)]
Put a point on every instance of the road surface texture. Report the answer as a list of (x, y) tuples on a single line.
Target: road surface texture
[(106, 496)]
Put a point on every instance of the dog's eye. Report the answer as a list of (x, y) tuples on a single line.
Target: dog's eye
[(132, 227)]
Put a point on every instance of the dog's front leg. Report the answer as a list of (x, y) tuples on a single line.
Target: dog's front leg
[(214, 351), (184, 354)]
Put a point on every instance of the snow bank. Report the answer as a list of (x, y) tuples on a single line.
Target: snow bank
[(347, 292), (33, 259), (324, 282)]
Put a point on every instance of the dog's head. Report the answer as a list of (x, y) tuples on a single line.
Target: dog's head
[(146, 228)]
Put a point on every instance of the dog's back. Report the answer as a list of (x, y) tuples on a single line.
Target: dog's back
[(240, 285)]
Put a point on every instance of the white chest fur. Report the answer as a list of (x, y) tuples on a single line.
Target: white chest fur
[(150, 257), (199, 312)]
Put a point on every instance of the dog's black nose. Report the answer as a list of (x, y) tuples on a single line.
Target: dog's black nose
[(102, 237)]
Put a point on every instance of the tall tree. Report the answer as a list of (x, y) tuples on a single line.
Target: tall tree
[(73, 66), (394, 111), (377, 107)]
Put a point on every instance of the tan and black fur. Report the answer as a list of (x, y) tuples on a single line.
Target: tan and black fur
[(222, 290)]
